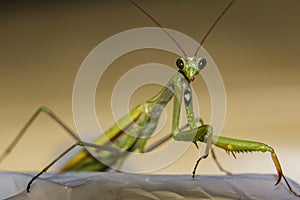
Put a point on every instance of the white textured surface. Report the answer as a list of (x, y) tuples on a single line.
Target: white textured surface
[(136, 186)]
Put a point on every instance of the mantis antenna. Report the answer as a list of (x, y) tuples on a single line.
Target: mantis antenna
[(160, 26), (172, 38), (212, 27)]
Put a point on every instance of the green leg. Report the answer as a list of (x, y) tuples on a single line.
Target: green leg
[(163, 140), (79, 143), (52, 115), (237, 146), (207, 150), (200, 133), (49, 165), (168, 137), (204, 134), (42, 109)]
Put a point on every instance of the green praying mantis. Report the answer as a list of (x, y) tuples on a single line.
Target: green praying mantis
[(130, 133)]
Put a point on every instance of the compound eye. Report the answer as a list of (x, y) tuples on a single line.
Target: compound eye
[(180, 63), (202, 63)]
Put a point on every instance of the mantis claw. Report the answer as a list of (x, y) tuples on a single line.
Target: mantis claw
[(195, 143), (279, 179), (280, 173)]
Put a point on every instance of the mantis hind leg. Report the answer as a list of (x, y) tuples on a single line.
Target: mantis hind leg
[(48, 112), (53, 116), (78, 143)]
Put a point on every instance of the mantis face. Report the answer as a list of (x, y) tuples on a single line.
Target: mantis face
[(191, 66)]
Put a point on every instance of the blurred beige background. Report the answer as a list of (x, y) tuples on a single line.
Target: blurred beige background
[(256, 47)]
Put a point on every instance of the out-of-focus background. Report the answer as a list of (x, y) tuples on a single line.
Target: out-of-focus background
[(256, 47)]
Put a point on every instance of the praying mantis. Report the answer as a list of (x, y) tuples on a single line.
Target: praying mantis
[(188, 68)]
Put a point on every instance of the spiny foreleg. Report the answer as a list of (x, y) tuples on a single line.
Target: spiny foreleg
[(204, 134), (236, 146)]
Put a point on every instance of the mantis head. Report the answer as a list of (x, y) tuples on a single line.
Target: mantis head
[(191, 66)]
